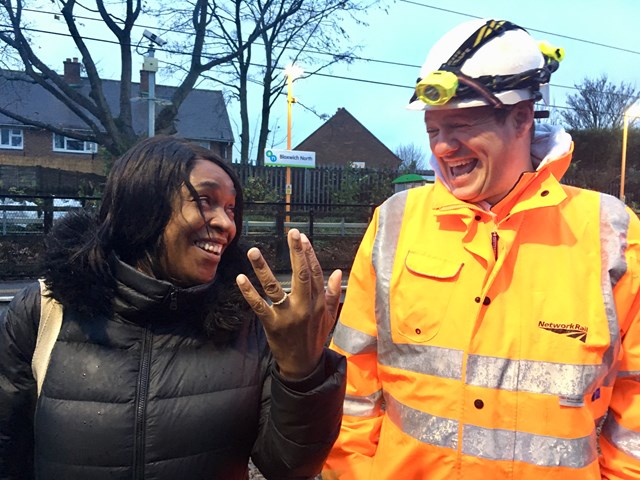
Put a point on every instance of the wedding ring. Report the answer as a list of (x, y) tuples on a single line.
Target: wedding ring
[(281, 301)]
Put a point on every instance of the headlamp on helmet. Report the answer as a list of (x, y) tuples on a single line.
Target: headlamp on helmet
[(439, 87)]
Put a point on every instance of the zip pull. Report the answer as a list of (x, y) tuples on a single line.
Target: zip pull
[(494, 244), (173, 304)]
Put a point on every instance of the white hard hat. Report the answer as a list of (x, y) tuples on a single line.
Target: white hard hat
[(495, 62)]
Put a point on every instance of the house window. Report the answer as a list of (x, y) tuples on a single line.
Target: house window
[(66, 144), (11, 138)]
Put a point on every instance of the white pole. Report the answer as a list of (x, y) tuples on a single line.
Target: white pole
[(152, 96)]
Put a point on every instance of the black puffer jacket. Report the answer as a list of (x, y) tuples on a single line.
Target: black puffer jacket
[(140, 391)]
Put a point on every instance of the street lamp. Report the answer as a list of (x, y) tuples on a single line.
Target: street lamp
[(150, 65), (632, 111), (292, 72)]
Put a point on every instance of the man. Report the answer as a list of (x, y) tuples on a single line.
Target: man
[(491, 321)]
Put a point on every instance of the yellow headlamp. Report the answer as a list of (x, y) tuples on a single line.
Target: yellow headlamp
[(437, 88), (548, 50)]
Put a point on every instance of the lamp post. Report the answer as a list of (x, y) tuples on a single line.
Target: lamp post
[(150, 65), (292, 72), (632, 111)]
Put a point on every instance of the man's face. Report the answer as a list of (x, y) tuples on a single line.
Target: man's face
[(480, 158), (194, 244)]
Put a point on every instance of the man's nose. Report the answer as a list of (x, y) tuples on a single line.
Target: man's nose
[(444, 144)]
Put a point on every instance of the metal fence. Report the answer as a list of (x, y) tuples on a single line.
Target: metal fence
[(36, 214)]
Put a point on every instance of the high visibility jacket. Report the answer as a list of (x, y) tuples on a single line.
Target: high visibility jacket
[(501, 344)]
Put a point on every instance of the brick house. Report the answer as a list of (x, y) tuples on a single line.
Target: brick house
[(343, 140), (202, 118)]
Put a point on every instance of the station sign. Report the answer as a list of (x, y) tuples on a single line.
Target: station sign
[(289, 158)]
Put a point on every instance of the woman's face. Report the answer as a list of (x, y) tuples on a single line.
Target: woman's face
[(193, 251)]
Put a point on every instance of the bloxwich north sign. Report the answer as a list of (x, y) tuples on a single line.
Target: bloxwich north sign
[(289, 158)]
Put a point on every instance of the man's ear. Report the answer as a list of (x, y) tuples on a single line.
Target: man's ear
[(522, 118)]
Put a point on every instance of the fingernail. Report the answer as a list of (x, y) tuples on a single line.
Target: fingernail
[(304, 238), (241, 280), (295, 234), (254, 254)]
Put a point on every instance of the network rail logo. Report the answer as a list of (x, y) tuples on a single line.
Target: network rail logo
[(572, 330)]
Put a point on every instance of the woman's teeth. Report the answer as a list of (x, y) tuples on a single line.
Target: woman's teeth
[(209, 247)]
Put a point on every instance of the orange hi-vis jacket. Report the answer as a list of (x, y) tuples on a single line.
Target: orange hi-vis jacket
[(490, 345)]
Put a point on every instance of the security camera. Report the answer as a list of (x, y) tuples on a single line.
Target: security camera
[(154, 38)]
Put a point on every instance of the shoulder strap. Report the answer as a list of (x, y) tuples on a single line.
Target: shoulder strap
[(48, 330)]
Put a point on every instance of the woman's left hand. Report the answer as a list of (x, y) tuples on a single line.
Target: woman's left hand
[(296, 324)]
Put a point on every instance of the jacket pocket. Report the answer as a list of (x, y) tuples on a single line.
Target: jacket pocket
[(422, 295)]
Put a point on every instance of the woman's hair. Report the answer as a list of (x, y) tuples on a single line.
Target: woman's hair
[(141, 192)]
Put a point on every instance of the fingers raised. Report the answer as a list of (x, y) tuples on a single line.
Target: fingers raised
[(300, 284), (317, 278), (334, 292), (253, 298), (270, 284)]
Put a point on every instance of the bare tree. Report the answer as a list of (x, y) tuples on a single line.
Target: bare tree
[(311, 36), (598, 104), (111, 129), (412, 156)]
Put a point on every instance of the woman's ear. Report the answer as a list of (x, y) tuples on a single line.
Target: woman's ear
[(522, 118)]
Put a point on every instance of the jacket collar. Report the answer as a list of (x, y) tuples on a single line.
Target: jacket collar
[(139, 294)]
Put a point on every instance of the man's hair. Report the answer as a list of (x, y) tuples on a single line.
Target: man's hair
[(501, 114)]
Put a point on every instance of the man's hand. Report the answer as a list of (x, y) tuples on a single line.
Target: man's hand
[(297, 324)]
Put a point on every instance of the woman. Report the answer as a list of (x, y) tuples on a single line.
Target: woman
[(161, 369)]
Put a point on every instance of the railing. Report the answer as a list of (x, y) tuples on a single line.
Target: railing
[(30, 215)]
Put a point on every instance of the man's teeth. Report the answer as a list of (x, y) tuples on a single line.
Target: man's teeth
[(463, 167), (210, 247)]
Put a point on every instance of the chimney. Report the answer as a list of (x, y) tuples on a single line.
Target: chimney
[(72, 72), (144, 82)]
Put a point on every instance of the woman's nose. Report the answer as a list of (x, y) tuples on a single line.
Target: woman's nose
[(221, 219)]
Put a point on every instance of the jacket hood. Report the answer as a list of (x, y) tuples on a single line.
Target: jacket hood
[(67, 266)]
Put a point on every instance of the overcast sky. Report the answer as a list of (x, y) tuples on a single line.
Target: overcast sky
[(598, 37)]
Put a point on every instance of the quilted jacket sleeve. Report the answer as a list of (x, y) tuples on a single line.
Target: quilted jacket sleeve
[(300, 420), (18, 332)]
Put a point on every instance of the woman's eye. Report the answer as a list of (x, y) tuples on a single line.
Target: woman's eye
[(231, 210)]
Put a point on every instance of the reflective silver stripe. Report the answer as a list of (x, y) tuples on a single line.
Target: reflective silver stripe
[(427, 359), (439, 431), (538, 450), (383, 256), (620, 437), (633, 375), (614, 223), (532, 376), (368, 406), (354, 341)]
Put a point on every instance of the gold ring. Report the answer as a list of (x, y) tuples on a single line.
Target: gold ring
[(281, 301)]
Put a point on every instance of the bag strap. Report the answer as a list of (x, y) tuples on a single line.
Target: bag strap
[(48, 330)]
